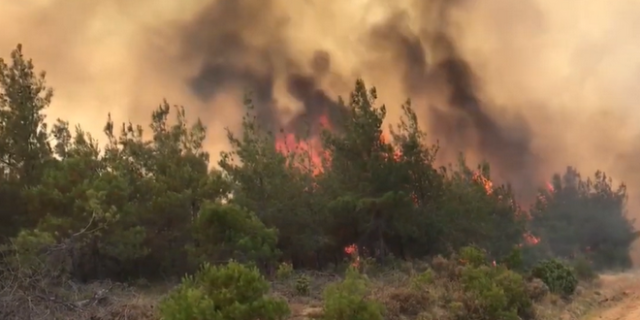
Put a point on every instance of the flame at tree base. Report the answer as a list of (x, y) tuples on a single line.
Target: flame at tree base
[(312, 149)]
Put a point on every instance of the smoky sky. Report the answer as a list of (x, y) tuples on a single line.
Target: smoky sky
[(224, 35)]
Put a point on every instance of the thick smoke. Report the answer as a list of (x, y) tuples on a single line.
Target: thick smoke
[(462, 119), (531, 85), (242, 43)]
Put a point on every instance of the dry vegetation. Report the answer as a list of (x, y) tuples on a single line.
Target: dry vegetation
[(406, 290), (34, 299)]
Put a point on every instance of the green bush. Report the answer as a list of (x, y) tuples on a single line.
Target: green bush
[(584, 269), (473, 256), (285, 271), (303, 285), (348, 300), (27, 248), (224, 232), (514, 260), (559, 277), (230, 292), (494, 293), (422, 280)]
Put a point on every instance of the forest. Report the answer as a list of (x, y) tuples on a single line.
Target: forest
[(146, 204)]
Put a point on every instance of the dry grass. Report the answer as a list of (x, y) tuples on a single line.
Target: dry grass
[(439, 300), (96, 301), (136, 309), (617, 296)]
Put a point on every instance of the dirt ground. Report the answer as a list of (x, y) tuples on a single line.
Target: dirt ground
[(620, 297)]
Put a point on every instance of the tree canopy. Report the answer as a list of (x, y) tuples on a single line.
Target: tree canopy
[(148, 202)]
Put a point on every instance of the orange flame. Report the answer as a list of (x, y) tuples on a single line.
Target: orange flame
[(530, 239), (486, 183), (352, 251), (384, 139), (312, 146)]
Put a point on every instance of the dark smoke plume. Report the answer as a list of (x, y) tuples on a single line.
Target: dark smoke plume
[(240, 44), (509, 148), (466, 122), (242, 48)]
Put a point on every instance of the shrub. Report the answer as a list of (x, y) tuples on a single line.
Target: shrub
[(224, 232), (404, 303), (560, 278), (440, 264), (230, 292), (494, 293), (285, 271), (348, 300), (537, 289), (583, 269), (473, 256), (303, 285), (514, 260), (409, 301), (444, 267), (422, 280), (26, 251)]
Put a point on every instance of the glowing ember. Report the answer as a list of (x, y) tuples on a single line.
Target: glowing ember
[(352, 251), (486, 183), (543, 198), (384, 139), (530, 239)]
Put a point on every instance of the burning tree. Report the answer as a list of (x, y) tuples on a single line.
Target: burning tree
[(356, 184)]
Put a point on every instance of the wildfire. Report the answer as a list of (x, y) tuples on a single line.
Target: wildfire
[(542, 197), (352, 251), (530, 239), (314, 149), (312, 146), (384, 139), (486, 183)]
